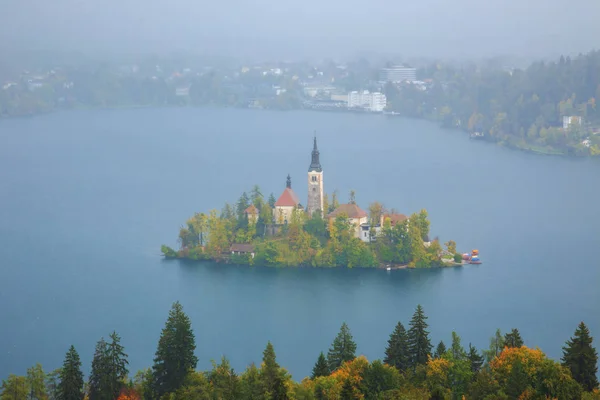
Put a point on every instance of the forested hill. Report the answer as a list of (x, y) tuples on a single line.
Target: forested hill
[(522, 108)]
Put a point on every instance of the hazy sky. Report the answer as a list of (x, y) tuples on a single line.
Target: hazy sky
[(313, 28)]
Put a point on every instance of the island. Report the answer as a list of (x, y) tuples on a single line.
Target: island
[(284, 233)]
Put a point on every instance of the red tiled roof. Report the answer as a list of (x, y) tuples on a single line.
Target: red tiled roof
[(288, 199), (251, 210), (395, 218), (351, 210)]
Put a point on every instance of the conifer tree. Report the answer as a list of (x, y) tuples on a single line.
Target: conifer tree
[(458, 352), (513, 339), (439, 350), (581, 358), (99, 373), (347, 392), (271, 376), (321, 367), (419, 345), (475, 358), (396, 353), (117, 362), (36, 382), (71, 377), (224, 381), (250, 384), (272, 200), (175, 353), (342, 349)]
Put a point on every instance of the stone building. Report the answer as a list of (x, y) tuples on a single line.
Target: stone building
[(286, 204), (315, 183)]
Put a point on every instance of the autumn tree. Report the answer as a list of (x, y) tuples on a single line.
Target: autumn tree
[(419, 344), (175, 353), (225, 382), (451, 246), (581, 358), (14, 388), (342, 349), (271, 376), (36, 383), (71, 377), (397, 352), (321, 367), (513, 339)]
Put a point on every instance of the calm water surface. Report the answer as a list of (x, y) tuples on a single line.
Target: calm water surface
[(88, 197)]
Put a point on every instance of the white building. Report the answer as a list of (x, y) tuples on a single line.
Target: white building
[(397, 74), (570, 120), (375, 101)]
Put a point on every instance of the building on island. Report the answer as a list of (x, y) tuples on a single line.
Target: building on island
[(369, 233), (286, 204), (356, 216), (315, 183), (242, 249), (251, 214), (397, 74), (571, 120)]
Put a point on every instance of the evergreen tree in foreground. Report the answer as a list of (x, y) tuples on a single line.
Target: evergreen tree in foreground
[(396, 353), (513, 339), (342, 349), (175, 353), (109, 369), (581, 358), (117, 362), (271, 376), (439, 350), (71, 377), (98, 375), (321, 367), (475, 358), (419, 345)]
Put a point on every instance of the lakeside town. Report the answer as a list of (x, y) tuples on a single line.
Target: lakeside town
[(547, 107), (283, 232)]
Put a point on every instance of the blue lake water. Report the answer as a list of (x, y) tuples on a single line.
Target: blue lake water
[(88, 197)]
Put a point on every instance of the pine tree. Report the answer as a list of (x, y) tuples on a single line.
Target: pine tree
[(347, 392), (439, 350), (581, 358), (99, 373), (175, 353), (475, 358), (271, 376), (224, 381), (71, 377), (321, 367), (36, 382), (117, 362), (513, 339), (250, 384), (272, 200), (342, 349), (419, 345), (458, 352), (396, 353)]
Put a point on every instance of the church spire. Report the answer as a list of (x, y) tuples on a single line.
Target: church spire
[(315, 164), (288, 182)]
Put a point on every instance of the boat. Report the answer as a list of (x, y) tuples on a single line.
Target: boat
[(474, 258)]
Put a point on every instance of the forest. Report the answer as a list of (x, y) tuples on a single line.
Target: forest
[(412, 369), (518, 108), (312, 241)]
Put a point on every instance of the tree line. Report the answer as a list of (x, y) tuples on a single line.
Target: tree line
[(308, 240), (411, 369)]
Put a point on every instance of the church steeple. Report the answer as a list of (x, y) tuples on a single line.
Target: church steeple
[(315, 164), (288, 182)]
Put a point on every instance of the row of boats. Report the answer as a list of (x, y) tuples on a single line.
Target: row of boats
[(472, 257)]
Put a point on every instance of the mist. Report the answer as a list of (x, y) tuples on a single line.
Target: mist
[(265, 29)]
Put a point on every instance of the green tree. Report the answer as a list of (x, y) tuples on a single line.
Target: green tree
[(347, 392), (224, 381), (475, 359), (175, 353), (251, 387), (419, 344), (271, 376), (397, 352), (458, 352), (14, 388), (513, 339), (242, 204), (422, 221), (321, 367), (117, 363), (71, 377), (581, 358), (36, 382), (272, 200), (342, 349), (439, 350), (52, 382), (378, 378), (256, 197), (98, 382), (496, 346)]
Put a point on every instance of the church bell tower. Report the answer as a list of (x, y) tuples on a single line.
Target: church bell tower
[(315, 183)]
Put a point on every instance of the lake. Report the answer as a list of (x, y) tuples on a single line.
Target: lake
[(88, 197)]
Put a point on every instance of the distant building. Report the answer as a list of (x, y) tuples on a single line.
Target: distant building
[(570, 120), (375, 101), (251, 214), (241, 249), (356, 216), (286, 204), (397, 74), (365, 229), (315, 183), (182, 91)]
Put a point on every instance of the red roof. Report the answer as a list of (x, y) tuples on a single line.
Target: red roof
[(287, 199), (351, 210), (251, 210), (395, 218)]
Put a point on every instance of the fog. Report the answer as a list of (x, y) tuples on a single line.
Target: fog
[(308, 28)]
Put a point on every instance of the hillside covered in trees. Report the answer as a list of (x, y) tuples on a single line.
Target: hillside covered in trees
[(410, 370), (519, 108), (308, 240)]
